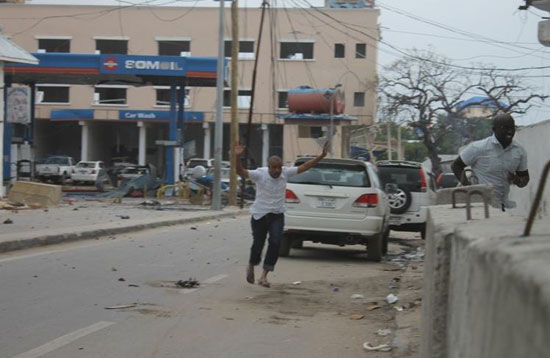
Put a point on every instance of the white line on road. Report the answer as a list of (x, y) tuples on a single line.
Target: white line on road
[(64, 340)]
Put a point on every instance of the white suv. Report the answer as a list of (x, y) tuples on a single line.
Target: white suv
[(339, 202), (416, 190)]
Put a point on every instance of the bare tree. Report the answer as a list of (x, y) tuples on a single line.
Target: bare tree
[(423, 86)]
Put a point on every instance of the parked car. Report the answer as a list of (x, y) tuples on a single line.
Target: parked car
[(87, 172), (57, 168), (132, 172), (415, 191), (339, 202), (447, 180)]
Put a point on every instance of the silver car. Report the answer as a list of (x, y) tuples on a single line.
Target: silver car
[(339, 202)]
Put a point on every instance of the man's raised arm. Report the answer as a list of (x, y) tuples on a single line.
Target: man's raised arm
[(239, 150), (310, 163)]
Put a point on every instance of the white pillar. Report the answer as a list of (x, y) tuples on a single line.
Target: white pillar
[(84, 140), (265, 145), (206, 151), (178, 159), (2, 192), (142, 143), (14, 158)]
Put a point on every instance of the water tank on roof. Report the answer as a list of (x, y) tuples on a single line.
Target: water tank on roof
[(310, 100)]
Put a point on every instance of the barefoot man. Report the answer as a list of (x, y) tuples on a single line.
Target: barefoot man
[(268, 208)]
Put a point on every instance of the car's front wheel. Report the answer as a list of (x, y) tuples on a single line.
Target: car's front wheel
[(374, 247)]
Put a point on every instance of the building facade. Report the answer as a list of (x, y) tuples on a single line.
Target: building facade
[(316, 47)]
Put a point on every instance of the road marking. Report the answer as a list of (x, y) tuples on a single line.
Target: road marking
[(214, 279), (64, 340)]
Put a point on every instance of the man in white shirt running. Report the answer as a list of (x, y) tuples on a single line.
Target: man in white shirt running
[(268, 208), (498, 160)]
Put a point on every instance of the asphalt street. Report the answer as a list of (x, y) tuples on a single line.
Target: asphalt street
[(116, 297)]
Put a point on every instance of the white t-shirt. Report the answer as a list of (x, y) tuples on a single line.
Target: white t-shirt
[(491, 164), (270, 192)]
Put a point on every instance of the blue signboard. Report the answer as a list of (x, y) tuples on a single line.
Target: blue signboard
[(71, 114), (142, 65), (137, 115)]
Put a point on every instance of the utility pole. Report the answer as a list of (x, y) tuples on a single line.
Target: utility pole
[(218, 132), (234, 96), (399, 149), (389, 140)]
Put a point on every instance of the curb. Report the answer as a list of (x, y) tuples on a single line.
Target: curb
[(20, 244)]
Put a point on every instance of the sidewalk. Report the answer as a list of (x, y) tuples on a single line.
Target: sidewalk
[(79, 218)]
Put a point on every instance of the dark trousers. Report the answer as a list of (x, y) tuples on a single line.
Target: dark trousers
[(272, 224)]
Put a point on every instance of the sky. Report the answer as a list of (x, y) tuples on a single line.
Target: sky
[(467, 32)]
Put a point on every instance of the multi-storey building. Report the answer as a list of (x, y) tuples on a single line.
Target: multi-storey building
[(317, 47)]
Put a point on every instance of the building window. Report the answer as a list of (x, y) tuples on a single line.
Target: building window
[(360, 50), (243, 99), (110, 95), (310, 132), (246, 49), (359, 99), (119, 47), (339, 51), (174, 48), (296, 50), (52, 94), (282, 102), (54, 45), (163, 96)]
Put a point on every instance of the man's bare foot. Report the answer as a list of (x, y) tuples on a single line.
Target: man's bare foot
[(250, 274), (264, 282)]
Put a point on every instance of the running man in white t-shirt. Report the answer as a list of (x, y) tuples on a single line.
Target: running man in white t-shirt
[(268, 208)]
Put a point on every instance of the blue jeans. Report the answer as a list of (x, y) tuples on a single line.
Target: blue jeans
[(272, 224)]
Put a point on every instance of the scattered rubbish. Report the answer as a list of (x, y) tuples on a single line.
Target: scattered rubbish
[(150, 203), (297, 282), (392, 269), (399, 309), (193, 228), (8, 221), (357, 296), (335, 289), (374, 307), (380, 348), (391, 298), (113, 269), (133, 285), (122, 279), (191, 283), (249, 297), (383, 332), (75, 209), (357, 316), (123, 216), (120, 307)]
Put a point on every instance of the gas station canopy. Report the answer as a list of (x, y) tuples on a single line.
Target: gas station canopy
[(73, 68)]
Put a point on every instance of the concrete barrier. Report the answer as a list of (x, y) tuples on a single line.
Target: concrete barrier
[(444, 196), (486, 289), (38, 194)]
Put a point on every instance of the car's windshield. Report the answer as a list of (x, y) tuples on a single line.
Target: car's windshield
[(86, 165), (336, 174), (56, 160), (407, 177)]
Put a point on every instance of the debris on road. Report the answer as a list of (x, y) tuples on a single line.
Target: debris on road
[(133, 285), (391, 298), (191, 283), (357, 296), (383, 332), (297, 282), (8, 221), (122, 279), (373, 307), (123, 216), (193, 228), (381, 348), (357, 316), (120, 307), (335, 289)]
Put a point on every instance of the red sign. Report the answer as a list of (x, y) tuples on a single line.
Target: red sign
[(110, 64)]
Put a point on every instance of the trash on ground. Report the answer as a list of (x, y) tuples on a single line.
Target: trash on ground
[(120, 307), (133, 285), (391, 298), (374, 307), (399, 309), (191, 283), (383, 332), (297, 282), (150, 203), (357, 296), (335, 289), (193, 228), (122, 279), (357, 316), (123, 216), (8, 221), (381, 348)]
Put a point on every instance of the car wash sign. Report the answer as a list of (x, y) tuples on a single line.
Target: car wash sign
[(142, 65)]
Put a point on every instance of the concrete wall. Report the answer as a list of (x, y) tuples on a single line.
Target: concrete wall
[(486, 289), (534, 139)]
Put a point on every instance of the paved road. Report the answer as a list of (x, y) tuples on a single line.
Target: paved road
[(53, 300)]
